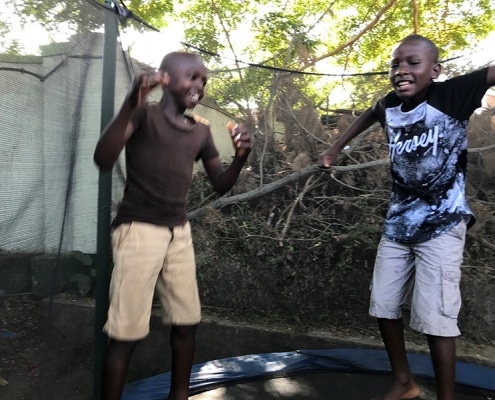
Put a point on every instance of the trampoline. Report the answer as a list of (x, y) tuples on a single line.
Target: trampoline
[(310, 374)]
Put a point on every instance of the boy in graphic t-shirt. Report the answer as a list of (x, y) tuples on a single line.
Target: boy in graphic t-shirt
[(424, 232)]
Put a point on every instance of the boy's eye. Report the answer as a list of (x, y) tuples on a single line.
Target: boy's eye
[(198, 76)]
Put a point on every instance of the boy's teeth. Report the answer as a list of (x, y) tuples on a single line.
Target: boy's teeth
[(195, 97)]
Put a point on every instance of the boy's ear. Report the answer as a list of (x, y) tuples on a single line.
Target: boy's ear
[(436, 71), (166, 78)]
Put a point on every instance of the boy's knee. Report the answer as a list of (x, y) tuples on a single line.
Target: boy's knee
[(120, 350), (183, 331)]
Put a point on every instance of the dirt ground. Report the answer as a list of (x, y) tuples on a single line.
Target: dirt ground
[(34, 367)]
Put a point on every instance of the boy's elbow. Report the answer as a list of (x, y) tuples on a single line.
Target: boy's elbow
[(102, 163), (221, 191), (219, 188)]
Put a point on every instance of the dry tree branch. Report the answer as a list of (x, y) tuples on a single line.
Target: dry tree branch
[(487, 244), (273, 91), (319, 19), (481, 149), (297, 201), (239, 69), (356, 37), (300, 174), (346, 185), (293, 115), (415, 15)]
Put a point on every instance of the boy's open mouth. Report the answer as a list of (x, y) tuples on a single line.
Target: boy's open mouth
[(193, 97), (403, 84)]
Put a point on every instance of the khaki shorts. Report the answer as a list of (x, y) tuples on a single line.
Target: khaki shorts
[(148, 257), (430, 272)]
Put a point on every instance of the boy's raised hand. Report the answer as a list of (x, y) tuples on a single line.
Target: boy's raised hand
[(241, 138), (327, 158), (143, 84)]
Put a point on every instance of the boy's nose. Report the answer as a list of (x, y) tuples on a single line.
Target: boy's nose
[(402, 69), (198, 85)]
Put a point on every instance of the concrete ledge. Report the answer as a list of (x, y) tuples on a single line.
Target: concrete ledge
[(70, 324)]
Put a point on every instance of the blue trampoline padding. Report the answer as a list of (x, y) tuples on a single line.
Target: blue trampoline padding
[(261, 366)]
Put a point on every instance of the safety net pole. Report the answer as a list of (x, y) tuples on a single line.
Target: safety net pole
[(103, 259)]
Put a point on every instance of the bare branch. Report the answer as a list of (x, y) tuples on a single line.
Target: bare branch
[(415, 15), (297, 201), (481, 149), (293, 115), (356, 37), (301, 174), (487, 244), (238, 67)]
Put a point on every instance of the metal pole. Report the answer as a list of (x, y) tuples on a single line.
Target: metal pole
[(103, 258)]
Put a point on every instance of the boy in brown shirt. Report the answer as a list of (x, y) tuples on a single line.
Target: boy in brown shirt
[(152, 244)]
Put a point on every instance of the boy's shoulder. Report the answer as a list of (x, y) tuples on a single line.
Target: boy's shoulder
[(456, 97), (464, 82), (154, 107), (198, 119), (476, 75), (201, 120)]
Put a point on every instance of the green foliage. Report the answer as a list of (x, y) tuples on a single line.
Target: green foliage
[(209, 23), (58, 15), (310, 36), (313, 36), (87, 15), (284, 34), (453, 25), (157, 13)]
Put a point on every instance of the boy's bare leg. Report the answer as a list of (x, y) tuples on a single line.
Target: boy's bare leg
[(182, 342), (115, 366), (442, 350), (404, 386)]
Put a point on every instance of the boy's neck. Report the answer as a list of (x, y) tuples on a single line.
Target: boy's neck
[(170, 106), (177, 117), (411, 103)]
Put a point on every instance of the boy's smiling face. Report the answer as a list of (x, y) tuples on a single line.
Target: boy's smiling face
[(188, 76), (412, 68)]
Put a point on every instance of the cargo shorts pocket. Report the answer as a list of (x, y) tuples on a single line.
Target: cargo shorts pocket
[(121, 235), (451, 293)]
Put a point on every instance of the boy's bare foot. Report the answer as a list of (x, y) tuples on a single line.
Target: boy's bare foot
[(401, 391)]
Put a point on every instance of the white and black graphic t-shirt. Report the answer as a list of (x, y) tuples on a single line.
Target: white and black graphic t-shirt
[(428, 154)]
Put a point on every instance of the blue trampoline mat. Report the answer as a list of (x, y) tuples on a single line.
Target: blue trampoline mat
[(232, 370)]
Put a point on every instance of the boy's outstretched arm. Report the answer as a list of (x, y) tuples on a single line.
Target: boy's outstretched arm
[(118, 131), (223, 179), (365, 120)]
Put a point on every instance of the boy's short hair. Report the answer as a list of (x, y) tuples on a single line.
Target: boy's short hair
[(171, 58), (419, 38)]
